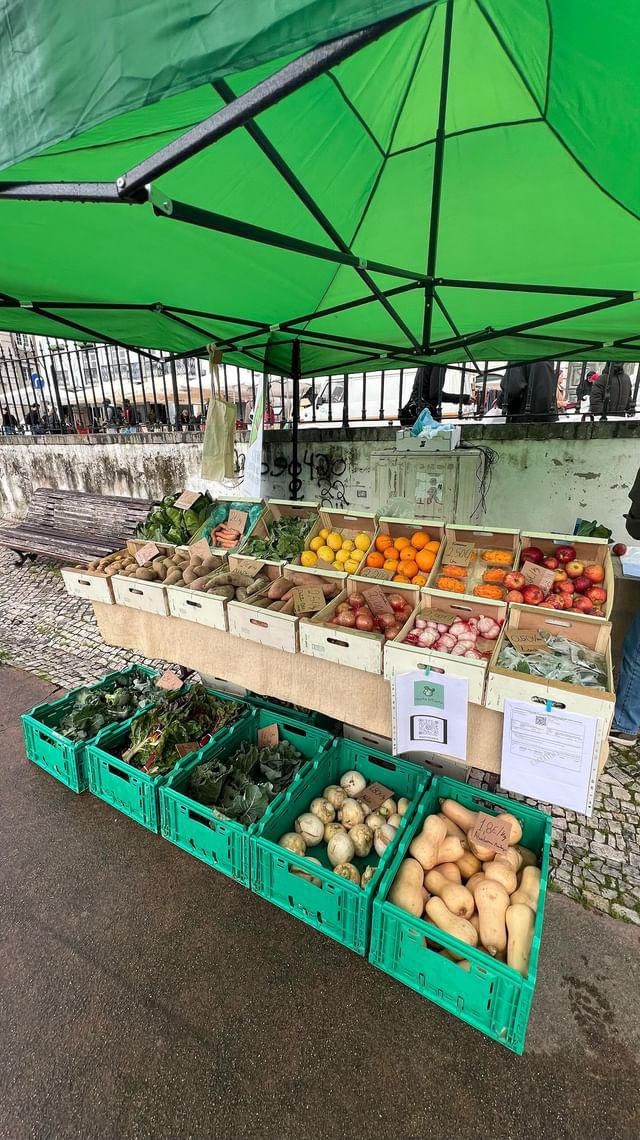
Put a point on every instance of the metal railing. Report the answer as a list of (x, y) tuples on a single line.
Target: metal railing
[(59, 386)]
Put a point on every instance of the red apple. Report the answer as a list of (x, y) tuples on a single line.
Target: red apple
[(532, 595), (551, 563), (564, 587), (553, 602), (594, 572), (565, 553), (515, 596), (574, 569), (514, 580), (567, 600), (582, 584), (532, 554), (582, 605), (560, 576), (597, 595), (620, 549)]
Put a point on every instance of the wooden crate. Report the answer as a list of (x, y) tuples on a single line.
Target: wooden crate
[(353, 647), (593, 633), (276, 509), (587, 550), (482, 538), (202, 532), (348, 524), (251, 620), (402, 658), (89, 584), (404, 528)]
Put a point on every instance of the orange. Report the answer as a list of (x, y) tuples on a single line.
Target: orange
[(433, 546), (383, 541), (425, 559), (409, 567), (391, 564), (419, 580), (419, 539), (401, 542), (376, 560), (392, 552), (400, 578), (407, 553)]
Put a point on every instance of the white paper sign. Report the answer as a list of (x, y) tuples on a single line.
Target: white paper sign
[(429, 713), (550, 756)]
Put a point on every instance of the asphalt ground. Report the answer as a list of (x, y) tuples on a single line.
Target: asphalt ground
[(144, 995)]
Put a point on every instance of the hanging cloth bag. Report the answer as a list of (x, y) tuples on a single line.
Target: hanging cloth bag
[(217, 445)]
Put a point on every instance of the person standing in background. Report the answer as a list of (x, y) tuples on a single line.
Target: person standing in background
[(9, 422), (529, 392), (611, 392), (626, 718), (583, 394)]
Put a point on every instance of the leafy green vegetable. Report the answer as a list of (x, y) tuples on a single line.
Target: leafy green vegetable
[(168, 523), (94, 709), (179, 717), (241, 786), (285, 542)]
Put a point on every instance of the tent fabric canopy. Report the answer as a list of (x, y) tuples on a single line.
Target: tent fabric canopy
[(461, 186)]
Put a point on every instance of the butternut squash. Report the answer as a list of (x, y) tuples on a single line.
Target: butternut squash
[(501, 871), (520, 921), (529, 858), (458, 814), (407, 889), (529, 889), (463, 963), (451, 871), (458, 928), (472, 883), (468, 864), (451, 851), (453, 829), (475, 921), (512, 855), (426, 845), (456, 898), (516, 829), (492, 902), (484, 854)]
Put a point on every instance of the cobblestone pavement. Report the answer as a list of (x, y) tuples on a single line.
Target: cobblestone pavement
[(595, 860)]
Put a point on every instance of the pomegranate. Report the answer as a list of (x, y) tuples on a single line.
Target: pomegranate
[(582, 584), (574, 569), (532, 554), (532, 595), (620, 549), (565, 554), (594, 572), (514, 580), (551, 563), (515, 596)]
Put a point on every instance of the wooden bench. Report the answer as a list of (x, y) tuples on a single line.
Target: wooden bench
[(72, 526)]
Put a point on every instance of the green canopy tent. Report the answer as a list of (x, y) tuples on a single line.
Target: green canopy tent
[(324, 186)]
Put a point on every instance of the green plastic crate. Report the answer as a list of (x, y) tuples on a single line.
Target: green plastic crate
[(49, 749), (126, 788), (282, 708), (491, 996), (336, 907), (224, 844)]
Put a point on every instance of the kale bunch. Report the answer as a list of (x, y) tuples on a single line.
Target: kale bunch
[(285, 541), (241, 786), (94, 709)]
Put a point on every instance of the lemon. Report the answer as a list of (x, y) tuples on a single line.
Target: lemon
[(350, 566), (316, 543), (348, 544), (308, 558), (334, 540), (324, 533), (326, 554), (363, 541), (342, 555)]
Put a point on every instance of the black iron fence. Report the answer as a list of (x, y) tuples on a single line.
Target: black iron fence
[(61, 387)]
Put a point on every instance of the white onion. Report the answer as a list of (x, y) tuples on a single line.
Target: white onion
[(305, 874), (324, 810), (353, 783), (293, 842), (310, 828), (340, 849)]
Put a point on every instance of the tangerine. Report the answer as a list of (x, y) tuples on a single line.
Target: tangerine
[(419, 580), (375, 559), (392, 552), (419, 540), (408, 554), (433, 546), (383, 541), (401, 542), (425, 559), (409, 567)]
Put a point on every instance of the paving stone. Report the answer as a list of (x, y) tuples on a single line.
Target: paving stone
[(624, 912)]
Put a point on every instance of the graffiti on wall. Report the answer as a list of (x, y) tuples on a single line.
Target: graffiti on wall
[(320, 475)]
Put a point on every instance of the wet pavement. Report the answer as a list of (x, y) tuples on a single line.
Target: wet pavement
[(144, 995)]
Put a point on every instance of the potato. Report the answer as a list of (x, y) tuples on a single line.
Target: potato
[(227, 592), (144, 574), (173, 578)]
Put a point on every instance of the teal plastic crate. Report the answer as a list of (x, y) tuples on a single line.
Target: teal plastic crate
[(306, 716), (336, 907), (224, 844), (52, 751), (126, 788), (490, 996)]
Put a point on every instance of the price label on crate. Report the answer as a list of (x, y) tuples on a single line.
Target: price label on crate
[(527, 641), (308, 599), (186, 500), (237, 521), (373, 572), (146, 553), (377, 601), (250, 566), (169, 680), (200, 549), (185, 749), (458, 553), (268, 737), (490, 832), (374, 795), (441, 617), (535, 575)]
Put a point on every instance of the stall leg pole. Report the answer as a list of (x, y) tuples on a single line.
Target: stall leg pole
[(295, 484)]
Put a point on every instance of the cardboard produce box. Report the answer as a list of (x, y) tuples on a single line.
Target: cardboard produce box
[(588, 550), (356, 648), (400, 657), (592, 633)]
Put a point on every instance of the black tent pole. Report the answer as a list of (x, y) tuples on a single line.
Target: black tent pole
[(295, 485), (438, 162)]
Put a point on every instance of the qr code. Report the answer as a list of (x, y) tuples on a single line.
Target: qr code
[(541, 720)]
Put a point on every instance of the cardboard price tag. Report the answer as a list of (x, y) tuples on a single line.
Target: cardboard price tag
[(250, 566), (374, 795), (169, 681), (200, 548), (268, 737), (372, 572), (377, 601), (185, 749), (440, 616), (490, 832), (535, 575), (187, 499), (308, 599), (237, 521), (146, 553), (458, 553), (527, 641)]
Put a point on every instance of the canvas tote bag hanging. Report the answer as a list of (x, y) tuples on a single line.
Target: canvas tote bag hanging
[(217, 445)]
